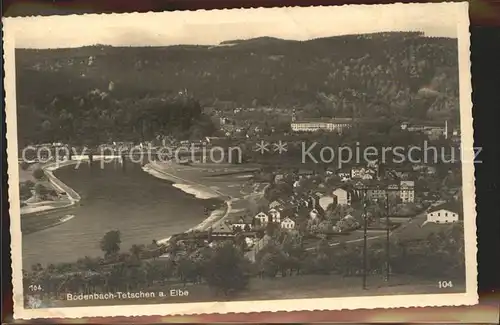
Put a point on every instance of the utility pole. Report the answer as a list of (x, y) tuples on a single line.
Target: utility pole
[(387, 243), (365, 246)]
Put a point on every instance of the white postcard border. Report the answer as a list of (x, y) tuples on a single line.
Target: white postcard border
[(365, 302)]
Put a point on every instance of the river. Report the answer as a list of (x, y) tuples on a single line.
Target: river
[(128, 199)]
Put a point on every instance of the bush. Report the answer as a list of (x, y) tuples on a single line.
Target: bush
[(25, 190), (41, 191), (38, 174), (25, 166)]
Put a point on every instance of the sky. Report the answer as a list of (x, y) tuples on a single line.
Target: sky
[(212, 27)]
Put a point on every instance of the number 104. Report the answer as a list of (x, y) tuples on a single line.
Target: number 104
[(445, 284)]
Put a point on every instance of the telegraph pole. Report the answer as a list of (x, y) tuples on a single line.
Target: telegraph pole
[(387, 243), (365, 246)]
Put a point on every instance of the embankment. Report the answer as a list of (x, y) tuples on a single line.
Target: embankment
[(72, 196), (200, 191)]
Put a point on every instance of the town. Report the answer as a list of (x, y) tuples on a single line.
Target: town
[(269, 224), (313, 221)]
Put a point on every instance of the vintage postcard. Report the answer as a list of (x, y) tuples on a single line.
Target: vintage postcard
[(253, 160)]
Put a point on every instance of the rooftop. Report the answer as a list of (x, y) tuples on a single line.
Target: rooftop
[(325, 120), (449, 206)]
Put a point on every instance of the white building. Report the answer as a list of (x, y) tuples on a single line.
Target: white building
[(343, 197), (262, 218), (287, 223), (344, 175), (325, 201), (274, 215), (407, 191), (362, 173), (314, 214), (222, 230), (444, 213), (315, 124), (243, 223)]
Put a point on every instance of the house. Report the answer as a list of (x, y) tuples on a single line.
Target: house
[(312, 201), (278, 178), (360, 173), (367, 176), (325, 201), (344, 176), (223, 230), (305, 173), (315, 124), (348, 217), (275, 205), (314, 214), (393, 190), (430, 197), (287, 223), (360, 188), (261, 218), (431, 170), (376, 193), (407, 191), (274, 216), (356, 172), (444, 213), (243, 223), (343, 197)]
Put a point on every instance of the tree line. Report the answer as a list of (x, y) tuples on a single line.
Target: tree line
[(98, 117), (225, 269)]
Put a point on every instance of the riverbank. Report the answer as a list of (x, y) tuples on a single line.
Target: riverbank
[(198, 190), (70, 197)]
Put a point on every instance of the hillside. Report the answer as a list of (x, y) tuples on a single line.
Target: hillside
[(403, 74)]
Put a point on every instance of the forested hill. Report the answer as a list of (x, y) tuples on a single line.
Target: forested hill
[(262, 71), (405, 74)]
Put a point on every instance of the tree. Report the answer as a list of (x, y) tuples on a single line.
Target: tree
[(25, 190), (41, 191), (38, 174), (137, 250), (110, 243), (227, 270), (271, 228), (188, 270), (24, 165)]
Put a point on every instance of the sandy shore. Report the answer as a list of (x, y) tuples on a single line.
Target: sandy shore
[(198, 190), (48, 206)]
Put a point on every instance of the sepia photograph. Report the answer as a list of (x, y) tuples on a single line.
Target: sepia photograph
[(243, 160)]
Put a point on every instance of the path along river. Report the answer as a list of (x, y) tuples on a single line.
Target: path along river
[(141, 206)]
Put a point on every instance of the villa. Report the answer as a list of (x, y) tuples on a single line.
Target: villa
[(287, 223), (244, 223), (223, 230), (444, 213), (262, 218), (274, 215), (314, 214), (342, 196)]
